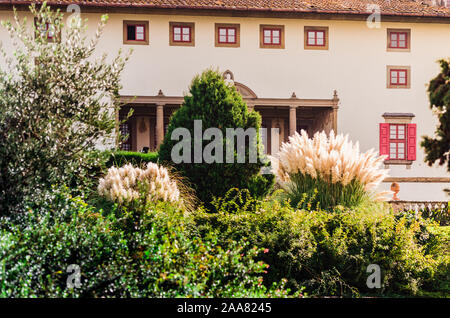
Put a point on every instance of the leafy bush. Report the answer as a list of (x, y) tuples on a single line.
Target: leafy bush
[(332, 167), (56, 108), (36, 250), (146, 252), (217, 105), (328, 252), (121, 158)]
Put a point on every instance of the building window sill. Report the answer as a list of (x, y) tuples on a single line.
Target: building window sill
[(396, 162)]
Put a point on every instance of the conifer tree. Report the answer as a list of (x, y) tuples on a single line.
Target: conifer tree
[(218, 105)]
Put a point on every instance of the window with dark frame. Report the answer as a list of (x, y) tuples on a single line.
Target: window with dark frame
[(316, 38), (397, 141), (398, 77), (227, 35), (272, 36), (182, 34), (398, 40), (136, 32)]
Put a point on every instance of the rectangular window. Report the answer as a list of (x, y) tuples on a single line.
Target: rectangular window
[(272, 36), (316, 38), (398, 141), (135, 32), (398, 76), (398, 40), (181, 34), (227, 35)]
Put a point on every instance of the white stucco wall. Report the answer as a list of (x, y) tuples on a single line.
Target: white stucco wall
[(354, 65)]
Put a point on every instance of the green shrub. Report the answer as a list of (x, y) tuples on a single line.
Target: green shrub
[(36, 250), (217, 105), (142, 252), (121, 158), (328, 252)]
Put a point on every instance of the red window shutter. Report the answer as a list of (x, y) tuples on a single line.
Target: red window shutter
[(411, 143), (384, 139)]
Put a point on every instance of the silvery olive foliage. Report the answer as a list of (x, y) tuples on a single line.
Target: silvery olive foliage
[(57, 104)]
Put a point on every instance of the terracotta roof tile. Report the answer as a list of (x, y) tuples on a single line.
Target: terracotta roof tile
[(388, 7)]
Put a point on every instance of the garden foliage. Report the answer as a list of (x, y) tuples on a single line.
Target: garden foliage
[(121, 158), (135, 239), (217, 105), (145, 252), (329, 169), (57, 103), (328, 252)]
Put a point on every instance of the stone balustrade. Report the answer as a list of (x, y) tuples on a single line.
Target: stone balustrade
[(418, 205)]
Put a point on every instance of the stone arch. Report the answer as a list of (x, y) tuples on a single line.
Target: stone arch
[(245, 91)]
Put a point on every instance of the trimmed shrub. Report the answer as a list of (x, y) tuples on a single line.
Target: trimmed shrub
[(328, 252), (330, 169), (217, 105), (121, 158)]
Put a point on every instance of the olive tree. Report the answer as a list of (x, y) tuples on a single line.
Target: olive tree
[(58, 102)]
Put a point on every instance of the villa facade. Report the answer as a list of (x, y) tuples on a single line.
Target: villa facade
[(356, 67)]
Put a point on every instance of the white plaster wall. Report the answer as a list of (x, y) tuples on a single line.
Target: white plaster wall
[(354, 65), (420, 191)]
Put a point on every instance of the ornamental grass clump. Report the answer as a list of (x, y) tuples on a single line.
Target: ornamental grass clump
[(331, 170), (128, 184)]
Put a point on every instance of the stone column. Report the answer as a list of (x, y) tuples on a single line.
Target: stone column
[(159, 124), (292, 120), (335, 110), (334, 116)]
